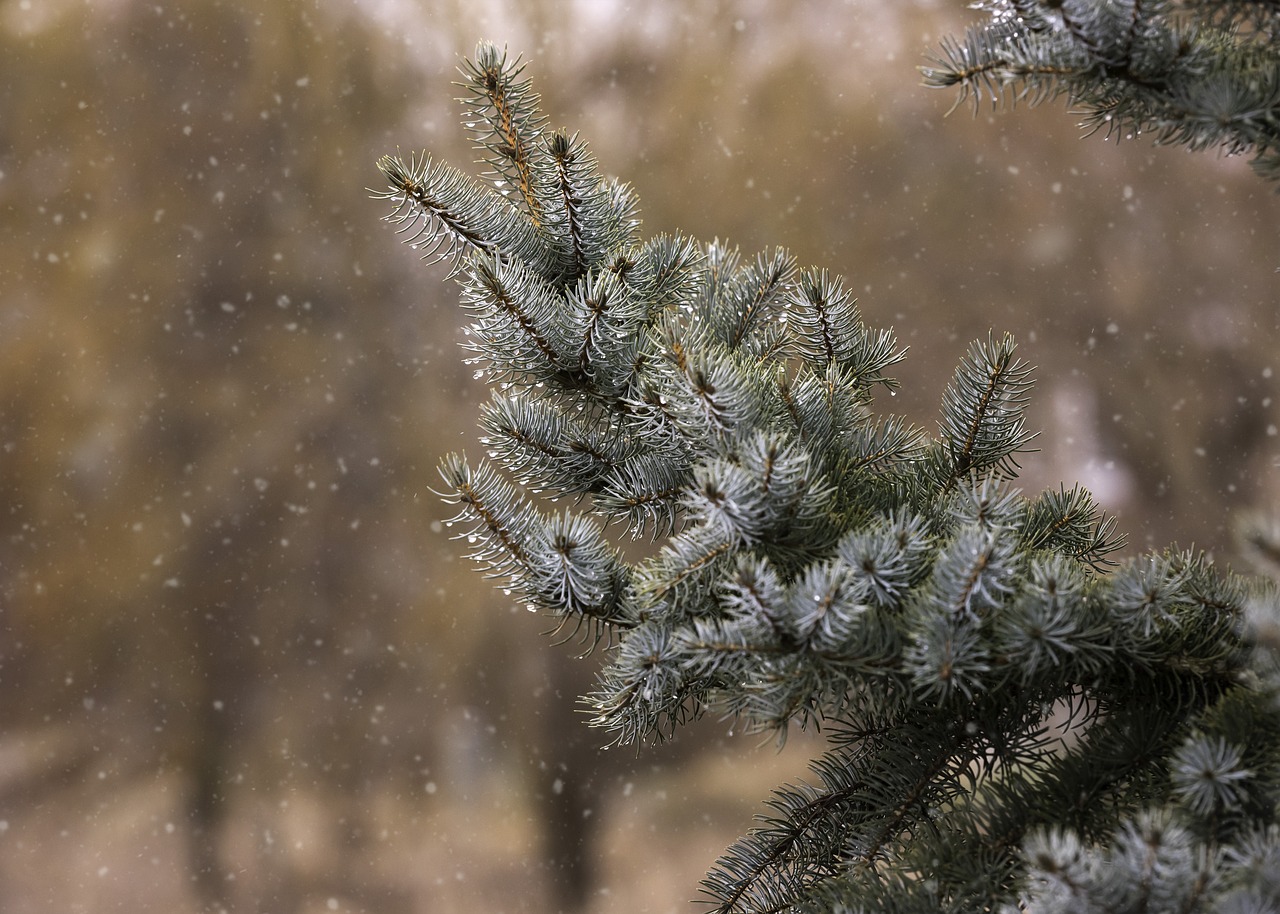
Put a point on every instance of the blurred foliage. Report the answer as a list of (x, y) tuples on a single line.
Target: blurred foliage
[(233, 639), (214, 409)]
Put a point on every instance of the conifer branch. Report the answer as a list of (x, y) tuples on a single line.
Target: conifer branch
[(592, 218), (514, 312), (562, 564), (1198, 74), (983, 410), (648, 492), (503, 114), (444, 211), (1071, 521), (1016, 719), (540, 444)]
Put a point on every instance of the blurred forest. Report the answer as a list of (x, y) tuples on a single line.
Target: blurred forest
[(242, 667)]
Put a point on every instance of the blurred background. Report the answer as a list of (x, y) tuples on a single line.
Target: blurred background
[(242, 667)]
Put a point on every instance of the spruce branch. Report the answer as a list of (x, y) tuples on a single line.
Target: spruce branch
[(1070, 520), (445, 211), (1016, 718), (886, 445), (560, 564), (647, 492), (589, 218), (826, 317), (515, 329), (502, 111), (540, 444), (983, 410), (1204, 75)]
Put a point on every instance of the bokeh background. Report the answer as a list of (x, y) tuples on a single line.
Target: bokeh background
[(242, 667)]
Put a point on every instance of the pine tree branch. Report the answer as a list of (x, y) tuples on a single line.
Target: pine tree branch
[(445, 211), (502, 111), (1198, 74), (814, 563), (983, 410)]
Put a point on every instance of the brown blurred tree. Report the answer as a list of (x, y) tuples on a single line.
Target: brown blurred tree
[(209, 453)]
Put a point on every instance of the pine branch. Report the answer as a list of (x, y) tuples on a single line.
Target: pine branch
[(983, 411), (446, 212), (1203, 75), (503, 114), (560, 564), (1016, 719)]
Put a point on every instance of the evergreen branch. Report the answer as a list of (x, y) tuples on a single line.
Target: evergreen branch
[(1147, 594), (750, 295), (886, 445), (874, 352), (648, 491), (544, 448), (989, 503), (827, 409), (445, 212), (1237, 110), (708, 392), (606, 325), (1202, 75), (720, 266), (1150, 864), (826, 605), (561, 565), (679, 580), (992, 60), (1055, 628), (576, 572), (767, 493), (825, 327), (800, 688), (515, 322), (815, 564), (571, 197), (1226, 801), (587, 217), (1070, 520), (1086, 783), (825, 315), (720, 650), (499, 518), (773, 866), (948, 660), (892, 556), (1209, 776), (975, 572), (983, 410), (754, 590), (846, 825), (503, 112), (650, 414), (665, 272), (644, 693), (797, 650)]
